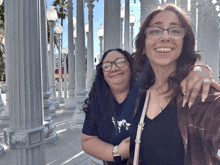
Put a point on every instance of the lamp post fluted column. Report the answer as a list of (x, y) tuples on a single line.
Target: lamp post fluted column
[(51, 136), (25, 135), (64, 52), (59, 31), (100, 34), (78, 116), (193, 15), (112, 24), (52, 85), (70, 104), (100, 40), (52, 17), (127, 27), (122, 14), (132, 21), (200, 33), (90, 49)]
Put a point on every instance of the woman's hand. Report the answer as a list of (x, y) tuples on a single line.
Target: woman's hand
[(193, 83), (123, 148)]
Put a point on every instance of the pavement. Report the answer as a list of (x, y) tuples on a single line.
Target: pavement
[(65, 151)]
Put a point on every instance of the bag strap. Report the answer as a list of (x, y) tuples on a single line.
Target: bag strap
[(140, 129)]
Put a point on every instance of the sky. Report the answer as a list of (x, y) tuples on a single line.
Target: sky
[(98, 12), (98, 19)]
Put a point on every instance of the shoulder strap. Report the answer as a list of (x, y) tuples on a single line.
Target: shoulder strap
[(140, 129)]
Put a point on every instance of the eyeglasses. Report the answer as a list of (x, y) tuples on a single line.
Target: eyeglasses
[(155, 32), (119, 62)]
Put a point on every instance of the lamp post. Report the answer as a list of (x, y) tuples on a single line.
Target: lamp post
[(49, 109), (87, 33), (52, 17), (139, 24), (65, 52), (126, 27), (59, 31), (122, 17), (100, 34), (70, 104), (80, 91), (90, 47), (132, 21)]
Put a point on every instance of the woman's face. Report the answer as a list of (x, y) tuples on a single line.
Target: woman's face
[(165, 50), (116, 75)]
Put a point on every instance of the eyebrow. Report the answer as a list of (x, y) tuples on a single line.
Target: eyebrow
[(159, 23)]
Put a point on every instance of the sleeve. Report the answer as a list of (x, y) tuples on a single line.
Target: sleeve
[(89, 126), (212, 134)]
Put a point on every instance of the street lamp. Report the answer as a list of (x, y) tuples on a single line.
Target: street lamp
[(100, 34), (122, 17), (52, 17), (87, 32), (132, 21), (65, 52), (59, 31), (139, 24)]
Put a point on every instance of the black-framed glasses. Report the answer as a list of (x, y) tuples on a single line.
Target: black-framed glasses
[(119, 62), (156, 32)]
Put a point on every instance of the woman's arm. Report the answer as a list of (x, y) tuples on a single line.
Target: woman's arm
[(99, 149), (193, 83)]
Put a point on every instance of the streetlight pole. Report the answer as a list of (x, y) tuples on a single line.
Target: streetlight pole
[(127, 29), (52, 17), (132, 21), (64, 52), (49, 110), (70, 103), (59, 31), (122, 17), (78, 116), (25, 136), (100, 34)]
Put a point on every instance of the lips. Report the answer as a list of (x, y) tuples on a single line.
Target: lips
[(163, 50), (116, 75)]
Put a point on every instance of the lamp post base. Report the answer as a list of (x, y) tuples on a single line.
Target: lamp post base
[(4, 118), (69, 107), (60, 100)]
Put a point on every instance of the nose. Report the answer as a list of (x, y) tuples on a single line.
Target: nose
[(114, 67), (165, 36)]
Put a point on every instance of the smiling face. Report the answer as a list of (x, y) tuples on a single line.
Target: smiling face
[(116, 76), (164, 51)]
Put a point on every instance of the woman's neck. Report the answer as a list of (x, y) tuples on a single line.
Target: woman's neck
[(120, 92), (161, 77)]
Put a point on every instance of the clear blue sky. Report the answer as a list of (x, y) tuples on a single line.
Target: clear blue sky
[(98, 19)]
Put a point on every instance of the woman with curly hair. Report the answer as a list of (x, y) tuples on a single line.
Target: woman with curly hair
[(171, 134), (110, 107)]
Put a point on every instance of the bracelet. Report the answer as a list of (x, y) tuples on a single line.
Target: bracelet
[(206, 66)]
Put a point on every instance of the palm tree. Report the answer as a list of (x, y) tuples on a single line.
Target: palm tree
[(61, 8)]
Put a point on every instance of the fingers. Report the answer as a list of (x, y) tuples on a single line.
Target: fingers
[(183, 86), (215, 85), (205, 91), (195, 88)]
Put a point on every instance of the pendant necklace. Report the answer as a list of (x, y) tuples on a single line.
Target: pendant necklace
[(158, 102)]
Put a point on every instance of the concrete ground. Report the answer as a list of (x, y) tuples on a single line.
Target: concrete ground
[(65, 151)]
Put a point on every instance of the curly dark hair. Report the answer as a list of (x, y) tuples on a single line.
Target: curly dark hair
[(100, 100), (186, 60)]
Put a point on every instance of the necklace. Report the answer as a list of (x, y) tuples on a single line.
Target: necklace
[(158, 102)]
